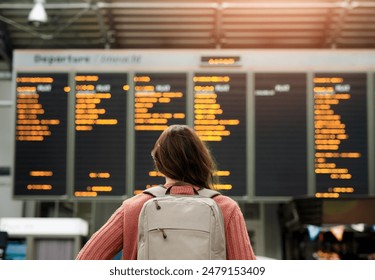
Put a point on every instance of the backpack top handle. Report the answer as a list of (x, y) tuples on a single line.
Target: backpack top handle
[(168, 192)]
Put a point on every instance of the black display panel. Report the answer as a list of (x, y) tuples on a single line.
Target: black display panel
[(280, 134), (220, 121), (160, 101), (340, 117), (41, 129), (100, 134)]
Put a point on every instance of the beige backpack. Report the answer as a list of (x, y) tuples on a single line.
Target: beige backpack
[(181, 227)]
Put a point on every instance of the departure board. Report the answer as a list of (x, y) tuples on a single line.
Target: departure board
[(340, 134), (100, 134), (159, 101), (280, 134), (41, 134), (220, 121)]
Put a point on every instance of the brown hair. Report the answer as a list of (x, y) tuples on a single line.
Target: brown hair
[(180, 155)]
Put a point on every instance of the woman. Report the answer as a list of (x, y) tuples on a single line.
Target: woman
[(180, 156)]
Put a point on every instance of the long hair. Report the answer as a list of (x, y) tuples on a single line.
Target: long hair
[(180, 155)]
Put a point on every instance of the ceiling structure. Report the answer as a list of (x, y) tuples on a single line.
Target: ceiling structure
[(161, 24)]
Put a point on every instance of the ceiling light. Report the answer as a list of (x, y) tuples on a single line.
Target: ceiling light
[(38, 14)]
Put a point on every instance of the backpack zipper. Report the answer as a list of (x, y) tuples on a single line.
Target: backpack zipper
[(158, 207), (163, 232)]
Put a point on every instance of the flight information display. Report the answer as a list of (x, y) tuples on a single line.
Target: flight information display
[(340, 134), (159, 101), (100, 134), (220, 121), (280, 134), (41, 134)]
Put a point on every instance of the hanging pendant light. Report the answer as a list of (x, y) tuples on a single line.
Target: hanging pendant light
[(38, 14)]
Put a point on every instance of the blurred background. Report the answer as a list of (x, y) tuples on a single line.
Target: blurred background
[(281, 91)]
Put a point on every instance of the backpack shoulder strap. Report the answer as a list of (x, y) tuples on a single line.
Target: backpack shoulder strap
[(208, 193), (156, 191)]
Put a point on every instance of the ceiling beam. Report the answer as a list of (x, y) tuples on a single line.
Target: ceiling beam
[(194, 5)]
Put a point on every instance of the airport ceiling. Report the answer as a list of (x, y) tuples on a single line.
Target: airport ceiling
[(197, 24)]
